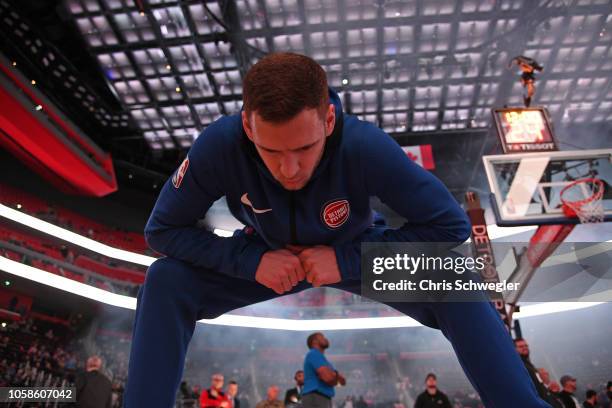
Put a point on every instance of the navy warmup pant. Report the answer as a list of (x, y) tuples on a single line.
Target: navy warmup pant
[(176, 294)]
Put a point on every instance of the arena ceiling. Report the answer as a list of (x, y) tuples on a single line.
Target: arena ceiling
[(145, 76)]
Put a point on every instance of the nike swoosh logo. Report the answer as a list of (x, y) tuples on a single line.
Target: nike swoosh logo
[(245, 200)]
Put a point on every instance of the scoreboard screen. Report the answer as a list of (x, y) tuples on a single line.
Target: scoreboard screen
[(524, 129)]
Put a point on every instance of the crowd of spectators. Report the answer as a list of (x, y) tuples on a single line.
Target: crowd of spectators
[(563, 393), (40, 353)]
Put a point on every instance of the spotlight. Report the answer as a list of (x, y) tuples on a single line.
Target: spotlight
[(7, 283), (168, 67), (178, 89), (345, 81), (14, 63), (38, 107), (19, 206), (3, 324), (33, 82), (130, 176)]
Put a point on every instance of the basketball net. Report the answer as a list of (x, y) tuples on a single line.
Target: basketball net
[(583, 199)]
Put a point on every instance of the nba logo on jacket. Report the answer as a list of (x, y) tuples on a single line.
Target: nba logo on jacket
[(335, 213), (180, 173)]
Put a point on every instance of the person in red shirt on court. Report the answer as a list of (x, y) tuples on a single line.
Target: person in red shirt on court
[(214, 397)]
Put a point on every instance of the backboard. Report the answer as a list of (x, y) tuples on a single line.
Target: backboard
[(526, 187)]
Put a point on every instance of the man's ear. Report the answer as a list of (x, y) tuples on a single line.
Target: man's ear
[(246, 124), (330, 120)]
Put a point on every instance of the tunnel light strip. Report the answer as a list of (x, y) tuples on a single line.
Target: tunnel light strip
[(314, 325), (223, 233), (84, 242), (66, 284), (127, 302), (542, 309)]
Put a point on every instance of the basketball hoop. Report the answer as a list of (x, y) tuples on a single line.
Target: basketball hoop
[(583, 199)]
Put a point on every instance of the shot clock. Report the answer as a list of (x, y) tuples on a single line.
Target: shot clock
[(524, 129)]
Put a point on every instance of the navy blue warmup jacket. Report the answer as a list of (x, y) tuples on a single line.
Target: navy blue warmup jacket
[(359, 161)]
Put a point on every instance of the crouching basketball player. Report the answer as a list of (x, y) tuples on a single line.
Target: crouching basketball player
[(299, 173)]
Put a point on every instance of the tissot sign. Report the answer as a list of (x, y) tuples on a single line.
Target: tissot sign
[(524, 130)]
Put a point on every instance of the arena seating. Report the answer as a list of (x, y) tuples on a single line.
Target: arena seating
[(35, 206), (101, 267)]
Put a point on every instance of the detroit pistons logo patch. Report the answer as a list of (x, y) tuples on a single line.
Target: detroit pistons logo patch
[(177, 179), (335, 213)]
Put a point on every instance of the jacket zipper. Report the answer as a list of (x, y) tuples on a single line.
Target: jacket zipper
[(292, 226)]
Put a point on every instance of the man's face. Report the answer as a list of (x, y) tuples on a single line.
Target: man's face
[(217, 381), (554, 387), (299, 378), (323, 342), (272, 393), (291, 150), (522, 348), (570, 386), (232, 389), (544, 375), (431, 383)]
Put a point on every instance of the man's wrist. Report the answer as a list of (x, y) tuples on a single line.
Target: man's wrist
[(250, 259)]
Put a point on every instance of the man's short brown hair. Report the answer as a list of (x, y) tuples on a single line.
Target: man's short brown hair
[(281, 85)]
